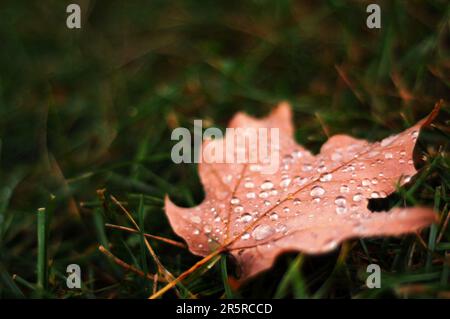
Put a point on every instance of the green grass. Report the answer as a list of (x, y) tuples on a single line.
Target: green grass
[(42, 262), (89, 109)]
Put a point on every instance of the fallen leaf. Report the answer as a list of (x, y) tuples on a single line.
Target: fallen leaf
[(311, 204)]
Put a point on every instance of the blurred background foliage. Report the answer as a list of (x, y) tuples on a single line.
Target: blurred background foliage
[(93, 108)]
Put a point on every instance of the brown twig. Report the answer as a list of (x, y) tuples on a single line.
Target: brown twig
[(421, 241), (323, 125), (167, 275), (161, 268), (185, 274), (126, 266), (131, 230), (155, 284)]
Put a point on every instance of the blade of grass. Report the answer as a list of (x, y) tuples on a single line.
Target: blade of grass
[(42, 262), (143, 254), (223, 270), (292, 278), (433, 231), (366, 251), (23, 282), (8, 285)]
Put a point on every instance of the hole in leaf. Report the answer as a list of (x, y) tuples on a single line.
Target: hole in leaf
[(383, 204)]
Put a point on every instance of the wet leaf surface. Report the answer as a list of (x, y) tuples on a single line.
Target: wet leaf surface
[(310, 204)]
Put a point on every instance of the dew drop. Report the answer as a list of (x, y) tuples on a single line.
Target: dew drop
[(307, 167), (344, 189), (300, 181), (286, 210), (262, 232), (196, 232), (266, 185), (375, 195), (298, 154), (251, 195), (267, 203), (245, 218), (321, 168), (196, 219), (235, 201), (388, 155), (388, 141), (326, 177), (207, 229), (296, 201), (366, 182), (340, 201), (227, 179), (281, 228), (273, 216), (245, 236), (249, 185), (239, 209), (336, 156), (285, 182), (341, 210), (263, 194), (357, 197), (317, 191)]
